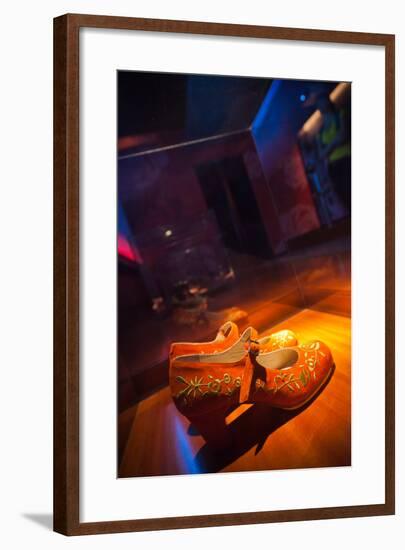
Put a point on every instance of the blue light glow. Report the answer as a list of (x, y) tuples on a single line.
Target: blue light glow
[(264, 107), (185, 448)]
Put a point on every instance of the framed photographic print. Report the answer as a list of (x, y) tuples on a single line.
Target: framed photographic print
[(223, 274)]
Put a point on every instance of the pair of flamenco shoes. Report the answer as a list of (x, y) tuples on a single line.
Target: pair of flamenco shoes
[(208, 380)]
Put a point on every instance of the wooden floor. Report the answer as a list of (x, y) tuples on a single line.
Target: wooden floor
[(155, 439)]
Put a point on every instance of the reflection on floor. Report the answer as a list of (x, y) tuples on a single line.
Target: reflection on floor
[(154, 439)]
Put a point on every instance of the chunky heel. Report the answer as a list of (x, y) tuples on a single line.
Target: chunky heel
[(213, 428), (205, 387)]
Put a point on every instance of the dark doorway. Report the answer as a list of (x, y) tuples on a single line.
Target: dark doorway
[(229, 195)]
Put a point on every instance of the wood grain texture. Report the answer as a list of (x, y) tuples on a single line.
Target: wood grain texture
[(227, 29), (390, 274), (66, 272), (66, 276)]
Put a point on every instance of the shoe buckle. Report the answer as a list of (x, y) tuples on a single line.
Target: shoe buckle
[(253, 346)]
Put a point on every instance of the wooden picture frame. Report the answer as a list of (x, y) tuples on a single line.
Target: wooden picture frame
[(66, 273)]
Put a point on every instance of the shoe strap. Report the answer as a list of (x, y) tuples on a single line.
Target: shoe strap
[(245, 389)]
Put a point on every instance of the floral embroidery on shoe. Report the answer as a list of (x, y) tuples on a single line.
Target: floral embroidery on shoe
[(193, 387)]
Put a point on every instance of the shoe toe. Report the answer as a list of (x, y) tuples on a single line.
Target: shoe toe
[(283, 339)]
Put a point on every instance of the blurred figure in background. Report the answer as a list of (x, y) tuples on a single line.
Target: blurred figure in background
[(333, 145)]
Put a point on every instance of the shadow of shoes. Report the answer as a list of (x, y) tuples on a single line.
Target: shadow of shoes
[(252, 428)]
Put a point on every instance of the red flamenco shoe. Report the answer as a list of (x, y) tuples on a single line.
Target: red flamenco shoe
[(205, 386), (286, 378), (205, 378)]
